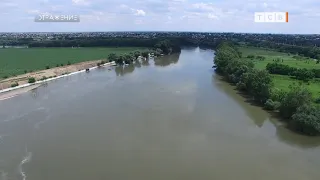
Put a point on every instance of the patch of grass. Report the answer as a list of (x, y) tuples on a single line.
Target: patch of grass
[(283, 82), (15, 61), (288, 59)]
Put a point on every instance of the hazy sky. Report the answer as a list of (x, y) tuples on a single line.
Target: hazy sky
[(161, 15)]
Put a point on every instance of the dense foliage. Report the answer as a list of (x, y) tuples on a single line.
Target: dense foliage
[(295, 106), (299, 73), (163, 47), (256, 83), (166, 45)]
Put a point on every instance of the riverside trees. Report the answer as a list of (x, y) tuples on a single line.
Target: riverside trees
[(294, 106), (162, 47)]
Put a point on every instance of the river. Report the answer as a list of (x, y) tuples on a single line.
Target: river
[(170, 118)]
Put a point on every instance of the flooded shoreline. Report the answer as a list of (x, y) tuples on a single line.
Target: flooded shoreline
[(169, 118)]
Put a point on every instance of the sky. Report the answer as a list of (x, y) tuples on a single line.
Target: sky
[(161, 15)]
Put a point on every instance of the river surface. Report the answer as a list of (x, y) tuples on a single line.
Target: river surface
[(171, 118)]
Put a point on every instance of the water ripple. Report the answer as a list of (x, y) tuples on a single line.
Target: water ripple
[(25, 160)]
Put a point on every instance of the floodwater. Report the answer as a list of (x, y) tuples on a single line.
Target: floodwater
[(171, 118)]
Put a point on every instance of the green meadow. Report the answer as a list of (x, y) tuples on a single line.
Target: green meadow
[(280, 81), (15, 61), (270, 55)]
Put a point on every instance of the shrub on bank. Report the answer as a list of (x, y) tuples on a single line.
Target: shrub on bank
[(15, 84), (296, 97), (306, 120), (43, 78), (31, 80), (271, 105)]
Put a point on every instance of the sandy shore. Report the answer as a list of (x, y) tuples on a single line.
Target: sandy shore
[(53, 73)]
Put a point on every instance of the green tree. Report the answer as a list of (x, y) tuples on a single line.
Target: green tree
[(306, 120), (112, 57), (145, 54), (137, 54), (119, 60), (297, 96)]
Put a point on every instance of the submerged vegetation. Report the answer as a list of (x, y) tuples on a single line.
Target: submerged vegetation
[(294, 106)]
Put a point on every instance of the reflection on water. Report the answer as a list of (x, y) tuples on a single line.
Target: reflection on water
[(124, 69), (166, 60), (254, 112), (163, 61)]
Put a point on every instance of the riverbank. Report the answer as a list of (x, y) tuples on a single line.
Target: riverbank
[(294, 106), (49, 74)]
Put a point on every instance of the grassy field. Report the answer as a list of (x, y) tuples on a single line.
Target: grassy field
[(14, 61), (288, 59), (283, 82), (280, 81)]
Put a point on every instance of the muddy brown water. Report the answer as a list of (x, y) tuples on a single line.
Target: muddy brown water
[(171, 118)]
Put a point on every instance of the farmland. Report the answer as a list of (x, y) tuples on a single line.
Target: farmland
[(282, 81), (15, 61)]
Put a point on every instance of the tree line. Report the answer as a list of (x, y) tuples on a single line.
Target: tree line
[(307, 51), (163, 47), (294, 106), (299, 73)]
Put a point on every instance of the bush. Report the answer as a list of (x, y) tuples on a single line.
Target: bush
[(57, 65), (43, 78), (271, 105), (306, 120), (69, 63), (296, 97), (31, 80), (15, 84), (317, 100), (61, 64), (250, 56), (47, 67), (5, 77)]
